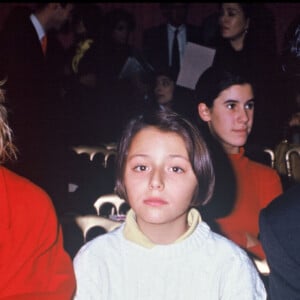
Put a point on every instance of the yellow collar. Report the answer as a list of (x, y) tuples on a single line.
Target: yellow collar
[(134, 234)]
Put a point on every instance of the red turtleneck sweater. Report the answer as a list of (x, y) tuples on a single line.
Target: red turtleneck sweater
[(257, 186)]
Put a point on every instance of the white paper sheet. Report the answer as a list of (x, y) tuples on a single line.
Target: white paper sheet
[(196, 60)]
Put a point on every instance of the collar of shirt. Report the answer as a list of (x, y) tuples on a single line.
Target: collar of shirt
[(38, 26), (171, 29), (134, 234)]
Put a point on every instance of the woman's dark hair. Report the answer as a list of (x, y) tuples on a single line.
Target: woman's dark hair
[(167, 71), (92, 17), (169, 121), (247, 8), (261, 32), (113, 17), (213, 81)]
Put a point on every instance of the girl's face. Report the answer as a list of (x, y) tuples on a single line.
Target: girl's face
[(164, 89), (121, 33), (159, 181), (233, 22), (230, 118)]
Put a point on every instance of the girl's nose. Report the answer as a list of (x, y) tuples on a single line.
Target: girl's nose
[(156, 181), (243, 115)]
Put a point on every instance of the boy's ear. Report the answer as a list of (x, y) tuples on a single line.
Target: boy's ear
[(204, 112)]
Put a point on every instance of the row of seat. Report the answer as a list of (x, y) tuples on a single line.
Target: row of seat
[(110, 210), (285, 158)]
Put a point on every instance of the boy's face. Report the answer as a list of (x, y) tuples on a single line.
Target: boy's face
[(159, 180), (230, 118)]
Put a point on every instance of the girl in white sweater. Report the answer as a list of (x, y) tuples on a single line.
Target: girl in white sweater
[(164, 251)]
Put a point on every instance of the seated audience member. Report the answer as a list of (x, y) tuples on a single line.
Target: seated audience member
[(163, 171), (88, 25), (33, 262), (209, 30), (158, 42), (120, 92), (226, 111), (290, 60), (82, 91), (294, 126), (32, 60), (167, 94), (279, 233), (163, 89), (248, 47)]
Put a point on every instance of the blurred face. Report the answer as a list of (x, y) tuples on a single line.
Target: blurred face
[(164, 89), (233, 22), (80, 29), (59, 15), (178, 13), (230, 118), (62, 15), (120, 33), (159, 180)]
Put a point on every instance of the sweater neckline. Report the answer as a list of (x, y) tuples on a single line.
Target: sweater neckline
[(237, 156), (134, 234)]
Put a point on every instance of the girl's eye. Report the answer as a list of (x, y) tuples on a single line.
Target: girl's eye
[(231, 14), (177, 169), (140, 168), (249, 105), (230, 105), (166, 83)]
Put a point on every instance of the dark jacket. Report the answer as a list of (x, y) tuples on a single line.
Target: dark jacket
[(279, 234), (155, 44)]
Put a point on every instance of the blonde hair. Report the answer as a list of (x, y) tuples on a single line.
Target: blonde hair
[(7, 148)]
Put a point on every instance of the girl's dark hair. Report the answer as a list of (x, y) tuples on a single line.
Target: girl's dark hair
[(113, 17), (215, 80), (210, 84), (169, 121), (92, 17)]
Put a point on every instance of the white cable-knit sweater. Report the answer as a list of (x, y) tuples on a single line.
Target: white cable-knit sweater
[(202, 266)]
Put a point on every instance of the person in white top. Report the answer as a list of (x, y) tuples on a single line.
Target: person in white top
[(164, 250)]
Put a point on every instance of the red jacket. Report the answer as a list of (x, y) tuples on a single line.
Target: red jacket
[(33, 262)]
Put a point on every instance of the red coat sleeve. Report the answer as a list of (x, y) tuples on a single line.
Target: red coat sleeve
[(33, 262)]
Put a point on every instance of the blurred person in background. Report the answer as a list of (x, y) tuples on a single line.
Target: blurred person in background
[(248, 47), (32, 60)]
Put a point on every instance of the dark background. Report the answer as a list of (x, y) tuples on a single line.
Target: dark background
[(148, 14)]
